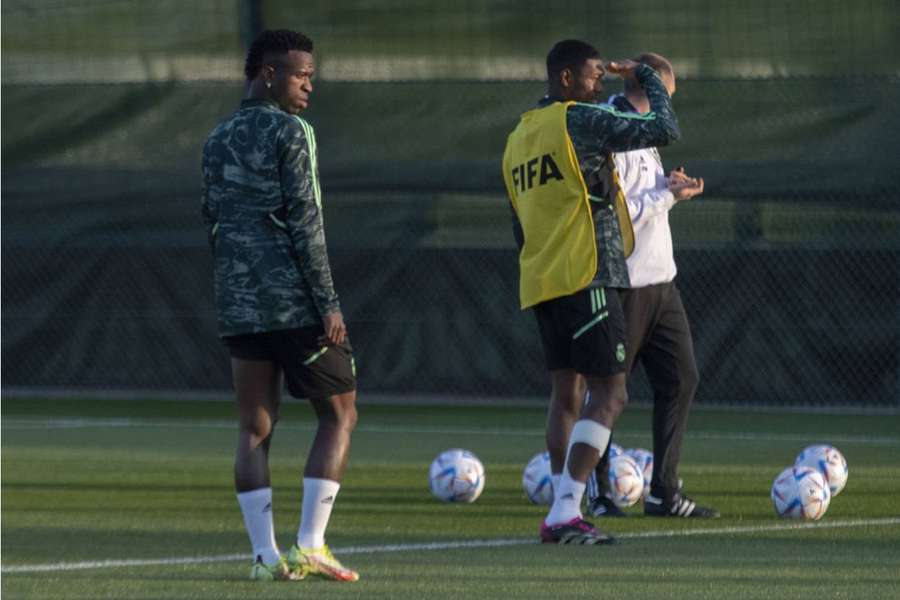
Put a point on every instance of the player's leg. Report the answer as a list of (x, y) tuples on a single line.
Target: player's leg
[(596, 326), (673, 378), (567, 387), (330, 449), (321, 483), (668, 360), (258, 387), (325, 465), (608, 399), (639, 313), (598, 490), (588, 441), (327, 376), (257, 384), (568, 390)]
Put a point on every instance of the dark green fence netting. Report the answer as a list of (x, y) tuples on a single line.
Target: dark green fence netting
[(789, 264)]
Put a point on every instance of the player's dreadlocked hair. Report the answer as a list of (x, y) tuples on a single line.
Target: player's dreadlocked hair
[(569, 54), (277, 41)]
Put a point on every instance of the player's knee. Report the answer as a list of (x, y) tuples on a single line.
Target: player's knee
[(348, 417), (339, 411), (618, 399), (567, 402), (259, 426), (567, 394), (607, 408)]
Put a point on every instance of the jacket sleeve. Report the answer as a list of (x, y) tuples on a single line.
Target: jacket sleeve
[(642, 203), (651, 203), (611, 130), (298, 172)]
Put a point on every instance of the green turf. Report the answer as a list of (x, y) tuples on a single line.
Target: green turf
[(151, 479)]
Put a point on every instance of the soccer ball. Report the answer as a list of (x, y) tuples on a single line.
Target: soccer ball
[(456, 475), (536, 479), (626, 481), (800, 493), (593, 490), (828, 461), (614, 450), (644, 460)]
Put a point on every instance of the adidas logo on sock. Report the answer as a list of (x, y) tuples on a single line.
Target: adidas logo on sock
[(568, 497), (267, 508), (328, 500)]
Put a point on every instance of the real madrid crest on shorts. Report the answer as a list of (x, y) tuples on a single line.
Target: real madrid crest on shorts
[(620, 352)]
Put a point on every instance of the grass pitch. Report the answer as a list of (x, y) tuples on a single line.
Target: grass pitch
[(147, 486)]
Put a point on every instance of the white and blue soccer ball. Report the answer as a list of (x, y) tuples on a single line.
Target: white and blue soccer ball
[(456, 475), (615, 450), (644, 460), (626, 481), (800, 493), (536, 479), (828, 461), (592, 489)]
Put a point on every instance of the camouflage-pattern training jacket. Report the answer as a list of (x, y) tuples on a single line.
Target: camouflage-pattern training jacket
[(262, 204), (597, 131)]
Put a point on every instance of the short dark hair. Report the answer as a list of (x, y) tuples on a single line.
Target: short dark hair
[(273, 41), (569, 54)]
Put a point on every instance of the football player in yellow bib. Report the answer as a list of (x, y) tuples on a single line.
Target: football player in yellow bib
[(572, 226)]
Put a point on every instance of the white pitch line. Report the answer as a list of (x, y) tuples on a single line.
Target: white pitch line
[(757, 529), (671, 533), (87, 423), (114, 564)]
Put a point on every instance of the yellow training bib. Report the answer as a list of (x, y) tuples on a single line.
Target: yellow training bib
[(548, 193)]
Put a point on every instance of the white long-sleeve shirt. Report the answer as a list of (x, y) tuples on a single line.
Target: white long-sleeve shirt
[(649, 200)]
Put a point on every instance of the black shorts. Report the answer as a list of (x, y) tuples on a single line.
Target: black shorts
[(311, 370), (584, 332)]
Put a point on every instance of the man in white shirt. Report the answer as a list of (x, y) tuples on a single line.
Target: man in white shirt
[(657, 329)]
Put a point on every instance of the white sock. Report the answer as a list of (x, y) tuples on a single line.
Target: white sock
[(256, 506), (567, 503), (318, 500), (554, 482)]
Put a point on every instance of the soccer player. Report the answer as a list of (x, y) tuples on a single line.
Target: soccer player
[(658, 334), (277, 310), (573, 231)]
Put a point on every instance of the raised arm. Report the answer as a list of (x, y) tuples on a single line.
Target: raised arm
[(615, 131)]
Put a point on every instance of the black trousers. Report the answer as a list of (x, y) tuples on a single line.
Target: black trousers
[(659, 338)]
